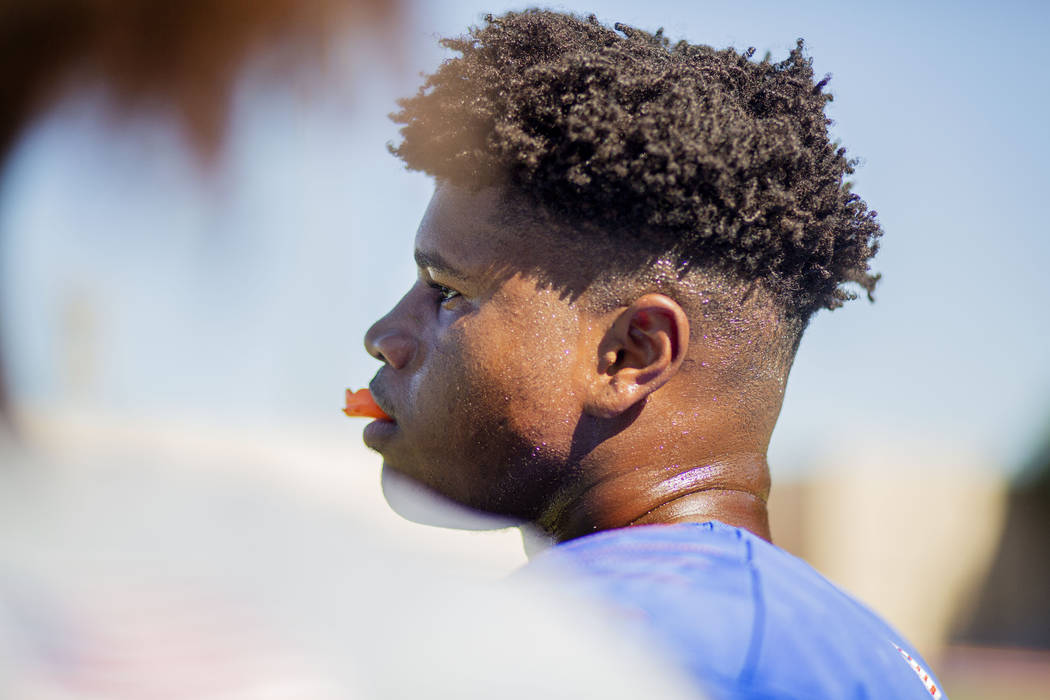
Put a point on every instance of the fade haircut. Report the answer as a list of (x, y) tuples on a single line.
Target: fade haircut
[(702, 157)]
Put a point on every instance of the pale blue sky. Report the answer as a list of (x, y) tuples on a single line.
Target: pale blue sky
[(248, 294)]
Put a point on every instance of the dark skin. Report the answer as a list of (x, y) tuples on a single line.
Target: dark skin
[(510, 396)]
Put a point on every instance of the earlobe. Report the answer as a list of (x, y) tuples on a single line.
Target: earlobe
[(641, 351)]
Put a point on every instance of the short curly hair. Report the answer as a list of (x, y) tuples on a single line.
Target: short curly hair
[(705, 155)]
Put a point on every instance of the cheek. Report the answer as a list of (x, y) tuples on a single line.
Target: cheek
[(529, 376), (494, 411), (453, 392), (499, 372), (462, 441)]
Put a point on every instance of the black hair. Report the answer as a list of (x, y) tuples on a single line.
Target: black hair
[(704, 155)]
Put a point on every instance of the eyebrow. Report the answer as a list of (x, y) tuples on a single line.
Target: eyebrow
[(436, 262)]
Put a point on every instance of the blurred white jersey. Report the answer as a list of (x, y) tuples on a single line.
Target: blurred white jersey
[(146, 583)]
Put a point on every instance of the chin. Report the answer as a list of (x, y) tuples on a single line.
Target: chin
[(414, 501)]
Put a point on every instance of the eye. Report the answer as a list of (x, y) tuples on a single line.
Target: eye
[(445, 294)]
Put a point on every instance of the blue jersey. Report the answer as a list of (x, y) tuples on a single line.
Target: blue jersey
[(743, 617)]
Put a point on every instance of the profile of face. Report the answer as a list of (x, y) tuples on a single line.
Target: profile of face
[(484, 366)]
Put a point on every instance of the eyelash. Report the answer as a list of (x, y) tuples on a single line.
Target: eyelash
[(445, 294)]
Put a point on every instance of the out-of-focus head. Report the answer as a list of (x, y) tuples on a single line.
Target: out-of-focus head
[(181, 57), (186, 54), (628, 237)]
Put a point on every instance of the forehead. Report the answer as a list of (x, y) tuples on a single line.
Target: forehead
[(471, 231), (496, 234)]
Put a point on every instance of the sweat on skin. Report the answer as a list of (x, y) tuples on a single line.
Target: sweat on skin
[(626, 241), (511, 396)]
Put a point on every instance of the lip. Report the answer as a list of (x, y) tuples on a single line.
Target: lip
[(377, 433), (379, 397)]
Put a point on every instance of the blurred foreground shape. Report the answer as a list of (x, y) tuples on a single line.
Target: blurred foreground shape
[(178, 59), (161, 575), (185, 54)]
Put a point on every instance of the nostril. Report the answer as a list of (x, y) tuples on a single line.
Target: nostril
[(370, 343), (371, 347), (392, 347)]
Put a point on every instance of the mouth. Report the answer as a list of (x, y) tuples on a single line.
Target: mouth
[(381, 400), (378, 434)]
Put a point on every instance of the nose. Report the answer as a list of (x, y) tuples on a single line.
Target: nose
[(386, 341)]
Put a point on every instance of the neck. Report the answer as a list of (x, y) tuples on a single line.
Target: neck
[(731, 488)]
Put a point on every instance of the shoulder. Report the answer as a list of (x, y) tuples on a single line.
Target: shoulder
[(742, 614)]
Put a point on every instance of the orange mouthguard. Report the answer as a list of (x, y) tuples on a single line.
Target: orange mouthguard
[(359, 404)]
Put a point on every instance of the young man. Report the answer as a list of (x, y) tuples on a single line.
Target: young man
[(626, 242)]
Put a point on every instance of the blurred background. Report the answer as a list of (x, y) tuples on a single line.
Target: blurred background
[(192, 247)]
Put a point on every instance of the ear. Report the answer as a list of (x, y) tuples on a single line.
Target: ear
[(641, 350)]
